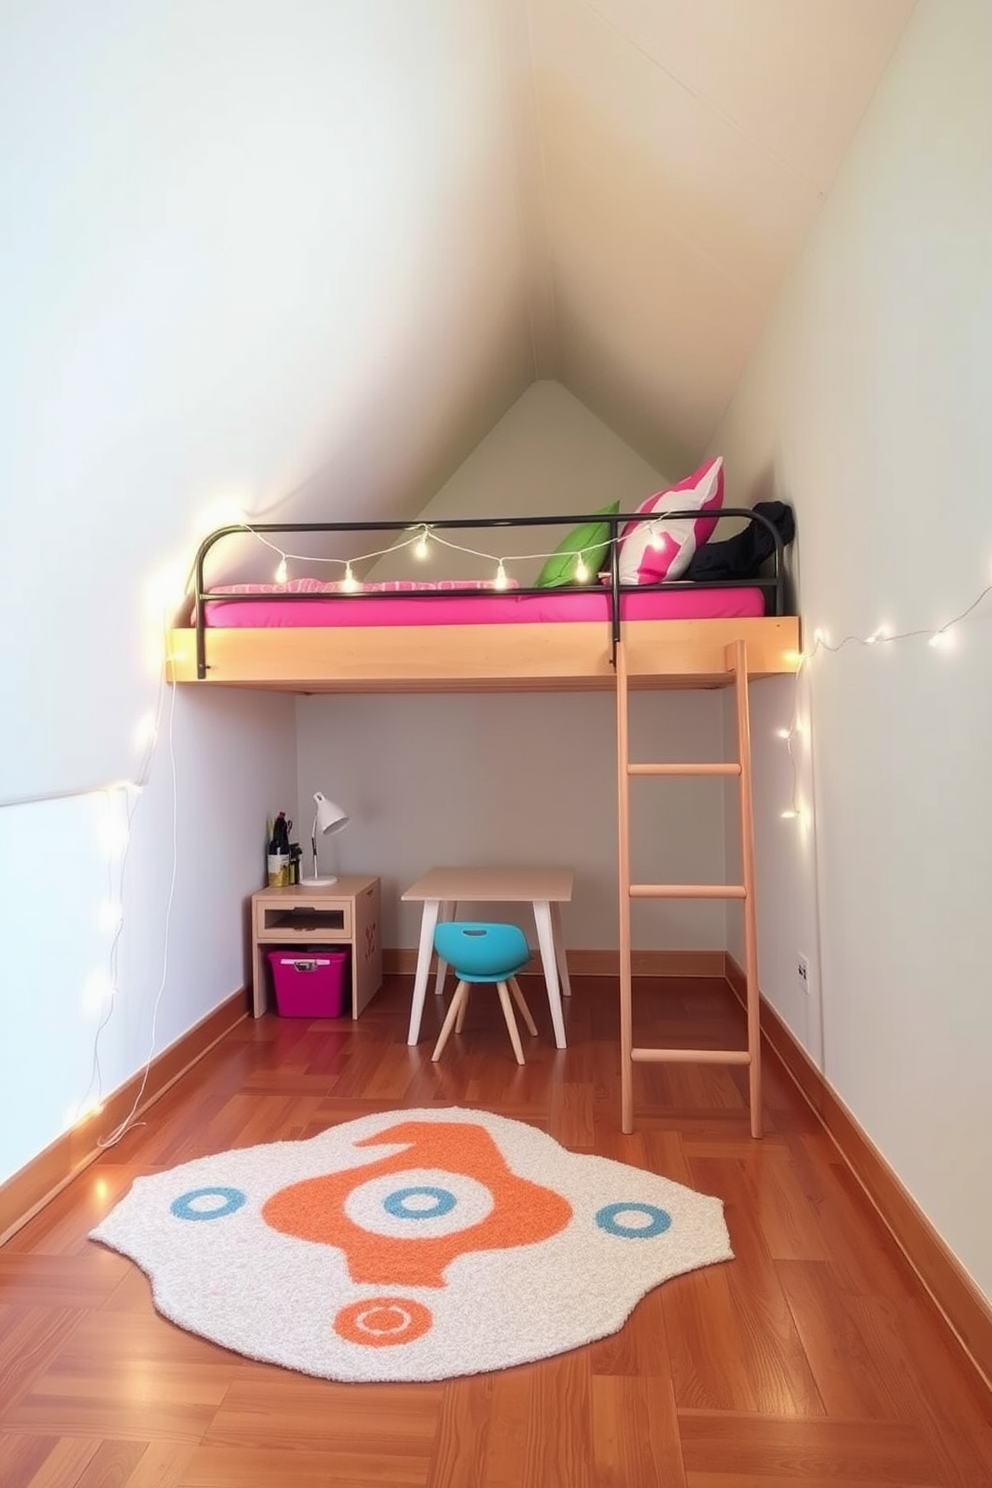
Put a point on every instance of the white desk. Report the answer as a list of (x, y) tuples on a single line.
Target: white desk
[(442, 890)]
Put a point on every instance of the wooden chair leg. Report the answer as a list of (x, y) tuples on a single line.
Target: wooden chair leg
[(463, 1008), (457, 1002), (511, 1022), (521, 1002)]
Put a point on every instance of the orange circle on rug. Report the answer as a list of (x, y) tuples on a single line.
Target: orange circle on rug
[(380, 1322)]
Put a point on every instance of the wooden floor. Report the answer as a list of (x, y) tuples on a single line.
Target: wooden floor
[(811, 1359)]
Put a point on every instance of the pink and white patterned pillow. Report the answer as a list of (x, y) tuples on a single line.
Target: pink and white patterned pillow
[(663, 549)]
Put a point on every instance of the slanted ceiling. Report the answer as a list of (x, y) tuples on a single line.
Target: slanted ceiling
[(609, 193)]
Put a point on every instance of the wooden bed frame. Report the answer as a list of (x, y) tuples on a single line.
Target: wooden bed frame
[(575, 656), (571, 656)]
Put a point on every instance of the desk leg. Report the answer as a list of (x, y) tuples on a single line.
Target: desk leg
[(546, 940), (449, 911), (559, 940), (427, 927)]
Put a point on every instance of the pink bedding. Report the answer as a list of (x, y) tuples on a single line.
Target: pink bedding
[(252, 610)]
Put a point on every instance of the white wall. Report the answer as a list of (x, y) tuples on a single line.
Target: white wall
[(547, 456), (867, 406), (228, 231), (524, 777), (182, 877), (520, 778)]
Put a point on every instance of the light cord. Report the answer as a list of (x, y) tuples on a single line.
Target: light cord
[(421, 536), (936, 636)]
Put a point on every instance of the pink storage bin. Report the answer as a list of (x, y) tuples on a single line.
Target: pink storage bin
[(311, 981)]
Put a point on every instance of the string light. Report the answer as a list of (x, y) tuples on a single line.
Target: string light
[(420, 540), (102, 990), (941, 638)]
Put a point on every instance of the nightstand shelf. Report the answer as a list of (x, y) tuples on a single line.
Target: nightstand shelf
[(347, 912)]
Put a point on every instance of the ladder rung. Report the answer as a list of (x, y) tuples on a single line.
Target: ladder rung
[(690, 1056), (731, 768), (687, 891)]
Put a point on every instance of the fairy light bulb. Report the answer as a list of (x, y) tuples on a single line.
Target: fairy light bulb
[(349, 583), (657, 540), (581, 571), (789, 815), (282, 572), (501, 580), (784, 733), (420, 546)]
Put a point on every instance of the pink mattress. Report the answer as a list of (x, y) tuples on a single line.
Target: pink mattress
[(254, 611)]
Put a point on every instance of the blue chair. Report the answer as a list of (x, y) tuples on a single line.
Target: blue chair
[(479, 952)]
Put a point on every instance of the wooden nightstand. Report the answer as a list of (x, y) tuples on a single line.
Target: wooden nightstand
[(343, 913)]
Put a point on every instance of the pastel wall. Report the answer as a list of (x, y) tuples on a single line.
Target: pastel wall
[(867, 407)]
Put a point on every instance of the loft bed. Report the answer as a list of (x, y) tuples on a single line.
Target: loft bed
[(471, 635), (604, 633)]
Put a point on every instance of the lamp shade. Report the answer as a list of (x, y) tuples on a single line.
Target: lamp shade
[(327, 817)]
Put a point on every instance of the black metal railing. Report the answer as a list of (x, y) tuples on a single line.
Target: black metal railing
[(772, 585)]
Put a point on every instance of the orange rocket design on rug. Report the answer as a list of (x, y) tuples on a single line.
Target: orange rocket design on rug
[(522, 1212)]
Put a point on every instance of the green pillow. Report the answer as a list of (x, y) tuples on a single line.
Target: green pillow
[(592, 540)]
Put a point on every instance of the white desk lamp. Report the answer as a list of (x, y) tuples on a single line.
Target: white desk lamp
[(327, 818)]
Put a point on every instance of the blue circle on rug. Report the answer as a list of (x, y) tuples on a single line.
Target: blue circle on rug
[(233, 1198), (658, 1221), (396, 1203)]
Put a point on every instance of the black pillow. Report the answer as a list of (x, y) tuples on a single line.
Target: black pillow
[(741, 556)]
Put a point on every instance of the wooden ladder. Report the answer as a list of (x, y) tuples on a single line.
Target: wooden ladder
[(736, 667)]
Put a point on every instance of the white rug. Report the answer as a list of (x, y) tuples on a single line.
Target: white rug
[(410, 1245)]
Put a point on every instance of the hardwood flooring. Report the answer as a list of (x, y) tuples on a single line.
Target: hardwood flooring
[(812, 1360)]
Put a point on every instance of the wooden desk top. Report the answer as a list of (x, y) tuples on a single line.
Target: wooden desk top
[(493, 885)]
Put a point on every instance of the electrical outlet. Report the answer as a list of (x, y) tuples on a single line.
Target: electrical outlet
[(802, 968)]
